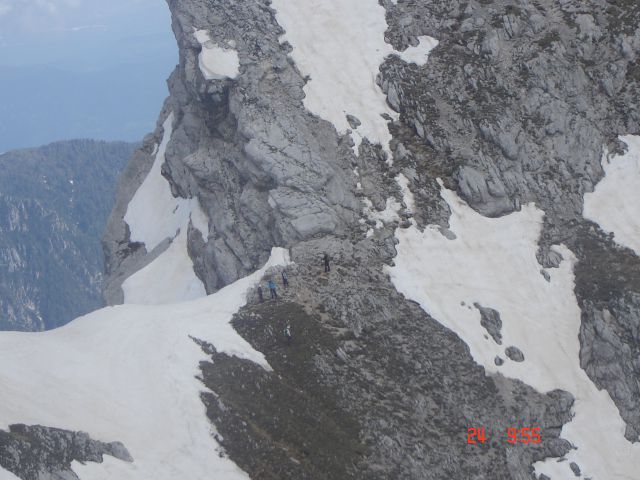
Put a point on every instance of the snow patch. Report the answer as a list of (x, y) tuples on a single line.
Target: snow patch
[(216, 62), (7, 475), (492, 261), (154, 214), (407, 195), (614, 202), (388, 215), (128, 373), (170, 278), (340, 45), (420, 53)]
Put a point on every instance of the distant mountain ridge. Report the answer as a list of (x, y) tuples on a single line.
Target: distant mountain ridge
[(54, 202)]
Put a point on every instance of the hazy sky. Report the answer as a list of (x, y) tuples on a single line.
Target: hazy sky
[(46, 16), (34, 32), (82, 69)]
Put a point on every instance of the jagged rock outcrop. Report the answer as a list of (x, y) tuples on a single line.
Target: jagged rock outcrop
[(54, 203), (490, 320), (265, 170), (43, 453)]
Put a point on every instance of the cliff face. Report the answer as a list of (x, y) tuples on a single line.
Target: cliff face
[(54, 203), (265, 171), (273, 127)]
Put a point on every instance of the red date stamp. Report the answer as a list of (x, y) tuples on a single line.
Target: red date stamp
[(513, 436)]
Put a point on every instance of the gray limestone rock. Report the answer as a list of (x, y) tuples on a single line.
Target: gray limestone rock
[(575, 469), (265, 170), (353, 121), (491, 321), (43, 453), (514, 353), (607, 287)]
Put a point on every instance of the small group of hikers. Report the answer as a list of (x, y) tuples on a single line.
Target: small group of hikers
[(273, 289)]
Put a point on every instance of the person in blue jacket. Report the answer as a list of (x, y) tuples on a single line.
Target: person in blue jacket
[(272, 289)]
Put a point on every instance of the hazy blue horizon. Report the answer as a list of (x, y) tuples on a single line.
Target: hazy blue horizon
[(82, 69)]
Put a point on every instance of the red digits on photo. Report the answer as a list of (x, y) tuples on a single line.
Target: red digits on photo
[(512, 434), (535, 437), (526, 435), (475, 433)]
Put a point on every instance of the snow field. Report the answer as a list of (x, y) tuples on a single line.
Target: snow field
[(492, 261), (153, 215), (6, 475), (170, 278), (216, 62), (614, 202), (128, 373), (340, 45), (420, 53)]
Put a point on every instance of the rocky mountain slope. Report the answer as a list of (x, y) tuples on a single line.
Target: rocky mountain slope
[(516, 105), (54, 202), (471, 169)]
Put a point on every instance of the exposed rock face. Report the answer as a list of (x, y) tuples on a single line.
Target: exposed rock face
[(266, 171), (517, 96), (514, 106), (490, 320), (54, 204), (42, 453), (514, 353)]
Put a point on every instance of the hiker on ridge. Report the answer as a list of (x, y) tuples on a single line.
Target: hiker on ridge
[(260, 296), (287, 334), (272, 289)]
